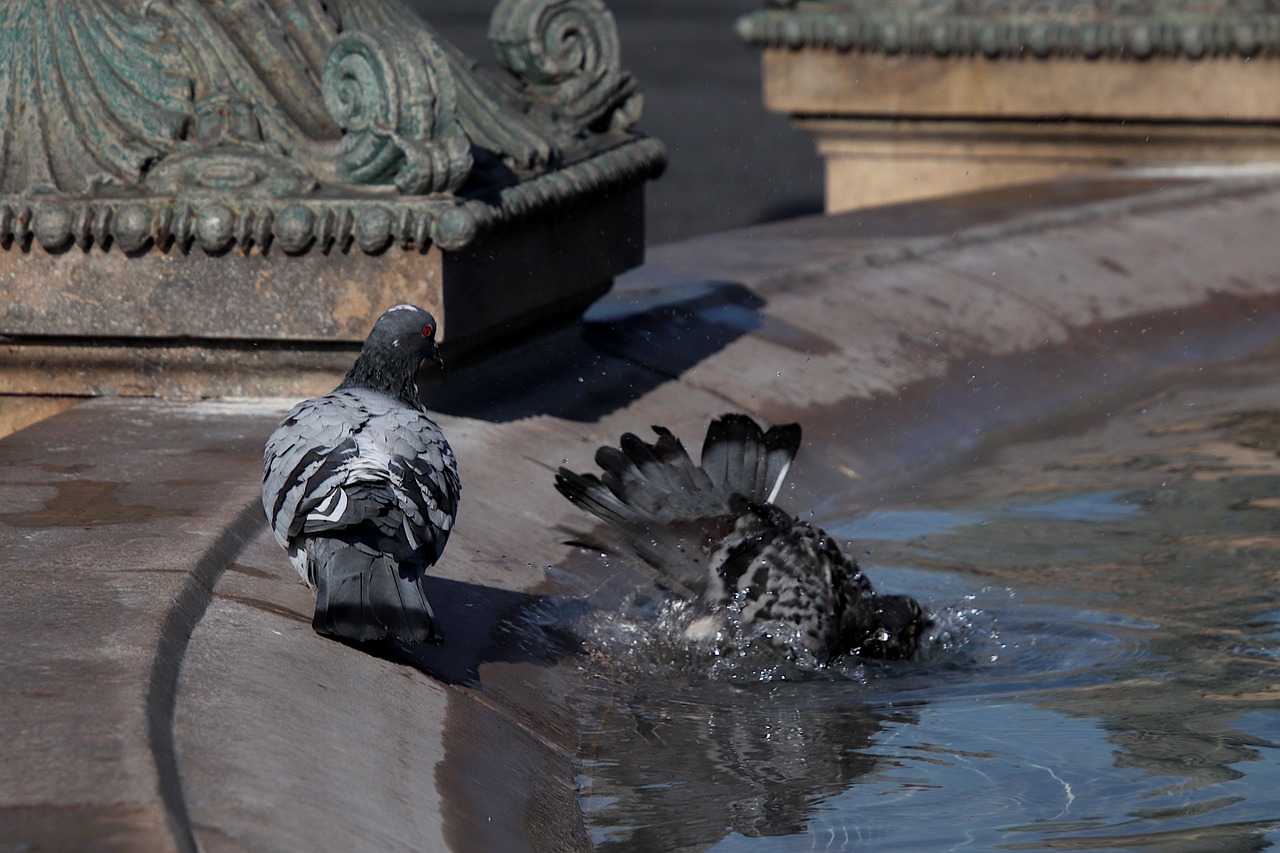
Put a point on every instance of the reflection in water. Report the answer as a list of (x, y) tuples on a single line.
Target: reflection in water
[(675, 770), (1105, 674)]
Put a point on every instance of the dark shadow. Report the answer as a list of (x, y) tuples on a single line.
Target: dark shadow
[(482, 624), (489, 175), (625, 348), (790, 209), (675, 335)]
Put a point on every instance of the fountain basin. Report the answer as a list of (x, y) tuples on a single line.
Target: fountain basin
[(173, 696)]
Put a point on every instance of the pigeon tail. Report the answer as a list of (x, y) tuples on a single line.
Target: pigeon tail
[(744, 460), (647, 483), (672, 511), (363, 594)]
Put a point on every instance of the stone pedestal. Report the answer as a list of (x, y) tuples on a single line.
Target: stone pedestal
[(266, 322), (908, 100), (203, 199)]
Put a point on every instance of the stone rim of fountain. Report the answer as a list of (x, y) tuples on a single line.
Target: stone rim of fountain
[(1017, 28)]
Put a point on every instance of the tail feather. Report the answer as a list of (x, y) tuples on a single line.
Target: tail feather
[(672, 511), (781, 443), (588, 492), (747, 461), (675, 549), (648, 484), (651, 468), (628, 481), (686, 475), (364, 595), (722, 450), (655, 480)]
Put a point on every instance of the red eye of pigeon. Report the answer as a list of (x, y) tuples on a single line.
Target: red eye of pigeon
[(428, 332)]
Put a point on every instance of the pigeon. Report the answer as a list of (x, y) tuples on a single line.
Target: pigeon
[(712, 534), (361, 488)]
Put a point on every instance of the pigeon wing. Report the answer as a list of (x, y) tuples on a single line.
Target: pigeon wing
[(423, 477), (304, 462)]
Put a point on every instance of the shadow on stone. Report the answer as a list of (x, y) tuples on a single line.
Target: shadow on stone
[(790, 209), (483, 624), (626, 347)]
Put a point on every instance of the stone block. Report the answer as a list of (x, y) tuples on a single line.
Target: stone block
[(905, 106), (269, 323)]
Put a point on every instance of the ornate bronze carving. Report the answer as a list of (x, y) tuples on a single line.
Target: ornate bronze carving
[(141, 124)]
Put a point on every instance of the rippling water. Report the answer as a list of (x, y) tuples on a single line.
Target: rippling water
[(1105, 673)]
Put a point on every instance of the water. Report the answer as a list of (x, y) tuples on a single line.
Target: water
[(1105, 673)]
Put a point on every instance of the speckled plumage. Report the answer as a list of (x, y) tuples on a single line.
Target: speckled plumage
[(361, 488), (712, 533)]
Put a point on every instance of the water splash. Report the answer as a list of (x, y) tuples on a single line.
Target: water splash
[(665, 637)]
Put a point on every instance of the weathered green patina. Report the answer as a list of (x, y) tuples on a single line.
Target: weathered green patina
[(145, 124)]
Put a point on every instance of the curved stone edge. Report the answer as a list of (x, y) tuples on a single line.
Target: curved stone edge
[(301, 225), (1043, 37), (185, 612), (116, 518)]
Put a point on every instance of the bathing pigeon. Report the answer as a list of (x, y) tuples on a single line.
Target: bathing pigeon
[(714, 535), (362, 489)]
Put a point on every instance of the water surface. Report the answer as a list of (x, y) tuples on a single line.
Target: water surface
[(1105, 673)]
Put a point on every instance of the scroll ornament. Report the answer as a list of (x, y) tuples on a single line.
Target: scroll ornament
[(568, 50), (392, 93)]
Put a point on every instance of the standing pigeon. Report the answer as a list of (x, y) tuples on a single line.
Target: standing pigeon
[(714, 535), (361, 488)]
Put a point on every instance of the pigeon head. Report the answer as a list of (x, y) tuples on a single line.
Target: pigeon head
[(900, 623), (401, 340)]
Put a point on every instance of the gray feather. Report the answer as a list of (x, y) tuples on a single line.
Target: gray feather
[(711, 533), (362, 489)]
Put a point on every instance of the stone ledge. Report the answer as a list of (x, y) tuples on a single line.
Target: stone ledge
[(996, 28), (187, 325), (828, 82), (909, 101), (892, 161)]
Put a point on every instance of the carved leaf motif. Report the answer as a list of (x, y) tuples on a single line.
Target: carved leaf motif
[(89, 95), (161, 123), (569, 50), (391, 91), (484, 100)]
